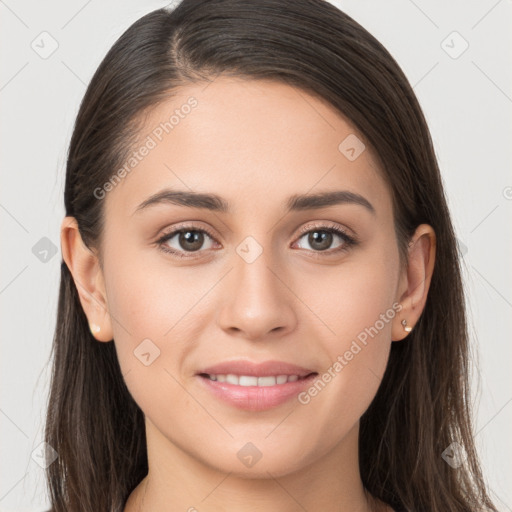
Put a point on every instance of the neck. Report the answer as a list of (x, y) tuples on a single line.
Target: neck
[(177, 480)]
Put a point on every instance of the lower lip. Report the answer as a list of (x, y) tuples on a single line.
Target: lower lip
[(256, 398)]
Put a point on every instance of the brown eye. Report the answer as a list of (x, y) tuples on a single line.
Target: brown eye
[(321, 239), (190, 240), (185, 240)]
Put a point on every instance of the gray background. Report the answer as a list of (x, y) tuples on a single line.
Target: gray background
[(467, 100)]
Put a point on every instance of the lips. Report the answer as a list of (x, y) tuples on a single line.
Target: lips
[(255, 386), (264, 369)]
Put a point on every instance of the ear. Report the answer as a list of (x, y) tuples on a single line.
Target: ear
[(415, 280), (88, 277)]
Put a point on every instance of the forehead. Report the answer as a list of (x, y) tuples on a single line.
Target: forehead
[(250, 141)]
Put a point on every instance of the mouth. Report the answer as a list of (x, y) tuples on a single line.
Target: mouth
[(255, 387), (252, 380), (245, 368)]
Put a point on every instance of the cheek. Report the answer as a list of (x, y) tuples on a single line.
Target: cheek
[(151, 300), (142, 307), (358, 305), (358, 297), (157, 317), (151, 328)]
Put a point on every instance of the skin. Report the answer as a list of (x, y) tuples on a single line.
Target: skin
[(254, 143)]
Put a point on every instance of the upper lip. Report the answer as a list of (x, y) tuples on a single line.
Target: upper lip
[(263, 369)]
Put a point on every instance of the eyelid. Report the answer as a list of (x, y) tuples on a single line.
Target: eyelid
[(182, 226), (327, 225)]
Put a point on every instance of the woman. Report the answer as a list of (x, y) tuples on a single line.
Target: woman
[(261, 304)]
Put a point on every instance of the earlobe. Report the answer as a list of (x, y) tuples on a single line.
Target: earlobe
[(415, 281), (88, 278)]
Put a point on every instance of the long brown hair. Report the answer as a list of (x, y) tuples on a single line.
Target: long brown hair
[(422, 405)]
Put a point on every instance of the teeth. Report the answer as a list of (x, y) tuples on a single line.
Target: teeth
[(249, 380), (231, 379), (244, 380), (267, 381)]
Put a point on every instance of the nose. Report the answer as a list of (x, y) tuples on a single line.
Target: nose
[(258, 302)]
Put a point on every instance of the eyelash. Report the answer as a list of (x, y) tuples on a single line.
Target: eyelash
[(348, 240)]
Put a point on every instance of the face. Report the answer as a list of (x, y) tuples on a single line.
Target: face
[(314, 285)]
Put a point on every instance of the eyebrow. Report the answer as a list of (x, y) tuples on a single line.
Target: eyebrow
[(213, 202)]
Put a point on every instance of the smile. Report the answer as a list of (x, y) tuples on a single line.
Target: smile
[(250, 380), (255, 393)]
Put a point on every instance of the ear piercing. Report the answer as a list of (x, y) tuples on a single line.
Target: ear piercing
[(94, 328), (407, 328)]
